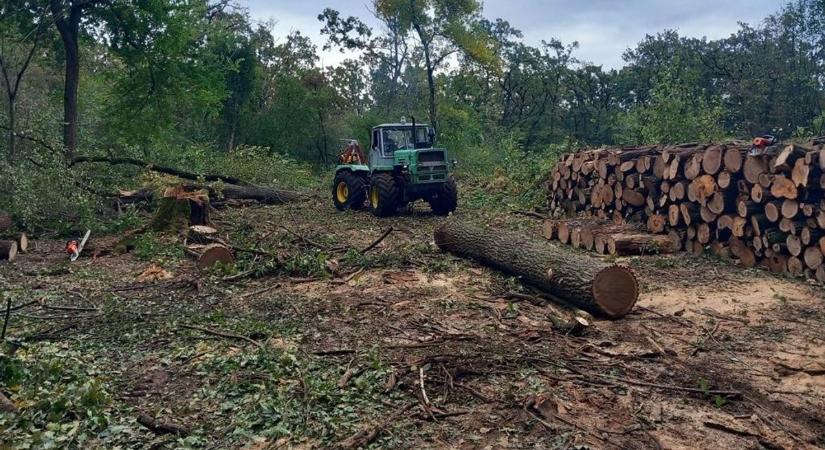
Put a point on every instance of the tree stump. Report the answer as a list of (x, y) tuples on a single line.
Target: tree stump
[(8, 250)]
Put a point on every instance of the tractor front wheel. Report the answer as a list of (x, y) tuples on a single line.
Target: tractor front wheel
[(385, 195), (348, 191), (446, 201)]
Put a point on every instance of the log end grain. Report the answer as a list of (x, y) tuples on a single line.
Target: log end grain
[(214, 253), (615, 290)]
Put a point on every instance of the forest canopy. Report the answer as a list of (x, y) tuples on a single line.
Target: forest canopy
[(202, 85)]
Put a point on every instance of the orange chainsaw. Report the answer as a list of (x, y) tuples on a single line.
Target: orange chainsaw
[(73, 247)]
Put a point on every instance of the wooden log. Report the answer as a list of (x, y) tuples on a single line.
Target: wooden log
[(712, 159), (201, 234), (794, 245), (789, 208), (673, 215), (693, 166), (724, 179), (758, 223), (22, 243), (795, 267), (782, 187), (778, 263), (800, 173), (733, 159), (689, 212), (707, 215), (758, 193), (791, 226), (213, 254), (701, 188), (610, 291), (677, 238), (820, 274), (548, 229), (678, 190), (811, 235), (773, 210), (788, 156), (8, 250), (633, 197), (812, 257), (641, 244), (703, 233), (754, 166)]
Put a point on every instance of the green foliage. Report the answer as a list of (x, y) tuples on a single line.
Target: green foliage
[(677, 111), (63, 404), (158, 248)]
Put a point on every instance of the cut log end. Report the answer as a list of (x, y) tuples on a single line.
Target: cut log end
[(616, 290), (213, 254)]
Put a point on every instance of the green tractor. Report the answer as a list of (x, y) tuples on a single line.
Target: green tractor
[(403, 166)]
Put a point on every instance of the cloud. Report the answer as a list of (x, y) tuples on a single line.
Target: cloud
[(603, 28)]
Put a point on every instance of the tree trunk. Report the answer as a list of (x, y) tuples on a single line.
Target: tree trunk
[(68, 25), (12, 127), (262, 194), (609, 291)]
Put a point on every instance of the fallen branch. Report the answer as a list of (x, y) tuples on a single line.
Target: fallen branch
[(224, 334), (155, 168), (363, 437), (377, 241), (159, 427)]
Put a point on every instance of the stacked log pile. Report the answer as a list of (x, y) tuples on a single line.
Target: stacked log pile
[(765, 210)]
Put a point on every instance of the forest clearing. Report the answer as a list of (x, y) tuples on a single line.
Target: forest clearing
[(406, 346), (412, 224)]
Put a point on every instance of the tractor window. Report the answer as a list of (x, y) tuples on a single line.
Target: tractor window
[(402, 139)]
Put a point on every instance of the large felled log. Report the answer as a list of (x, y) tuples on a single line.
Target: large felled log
[(262, 194), (609, 291), (8, 250)]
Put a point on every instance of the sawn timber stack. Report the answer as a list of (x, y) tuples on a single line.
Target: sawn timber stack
[(765, 210), (599, 288)]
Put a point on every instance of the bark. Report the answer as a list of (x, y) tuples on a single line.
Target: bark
[(8, 250), (67, 21), (641, 244), (609, 291)]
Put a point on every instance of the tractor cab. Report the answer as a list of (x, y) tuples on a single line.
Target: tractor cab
[(403, 165)]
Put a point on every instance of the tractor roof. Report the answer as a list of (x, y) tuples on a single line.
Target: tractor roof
[(398, 125)]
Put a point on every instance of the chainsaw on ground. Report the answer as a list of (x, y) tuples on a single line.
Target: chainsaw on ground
[(73, 248)]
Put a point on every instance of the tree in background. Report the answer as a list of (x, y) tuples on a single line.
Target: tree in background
[(22, 30), (443, 28)]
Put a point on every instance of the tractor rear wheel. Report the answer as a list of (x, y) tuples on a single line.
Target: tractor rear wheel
[(446, 201), (348, 191), (385, 195)]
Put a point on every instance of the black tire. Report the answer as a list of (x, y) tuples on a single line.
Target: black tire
[(385, 195), (348, 191), (446, 201)]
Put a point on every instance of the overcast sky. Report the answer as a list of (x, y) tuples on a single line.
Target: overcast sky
[(603, 28)]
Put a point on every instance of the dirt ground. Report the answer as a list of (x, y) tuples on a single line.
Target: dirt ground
[(418, 349)]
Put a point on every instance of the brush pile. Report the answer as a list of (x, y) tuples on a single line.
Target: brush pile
[(765, 210)]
